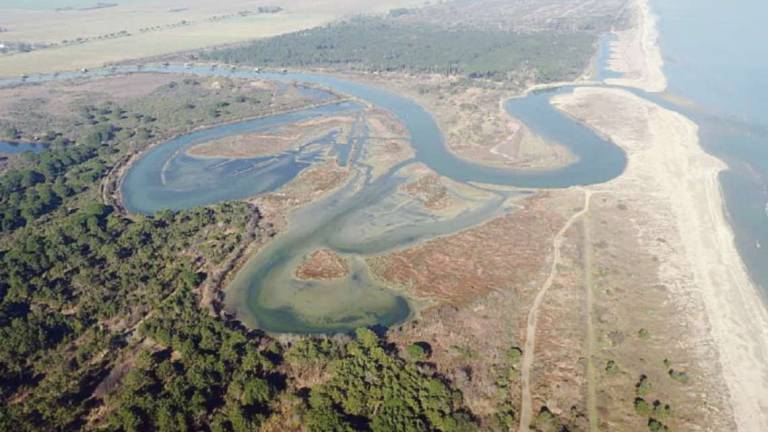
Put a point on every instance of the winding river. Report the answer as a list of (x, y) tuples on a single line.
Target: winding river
[(362, 218)]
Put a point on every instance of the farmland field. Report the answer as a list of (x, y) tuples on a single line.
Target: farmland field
[(88, 36)]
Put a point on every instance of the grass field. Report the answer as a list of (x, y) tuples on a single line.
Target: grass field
[(48, 26)]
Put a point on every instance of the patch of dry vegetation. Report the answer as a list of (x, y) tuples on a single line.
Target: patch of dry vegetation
[(323, 264), (650, 296), (263, 144), (429, 190), (481, 282), (646, 326), (457, 269)]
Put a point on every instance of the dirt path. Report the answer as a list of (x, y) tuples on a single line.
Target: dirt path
[(533, 315), (590, 342)]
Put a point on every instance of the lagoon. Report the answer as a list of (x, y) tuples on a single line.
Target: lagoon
[(265, 294), (363, 217)]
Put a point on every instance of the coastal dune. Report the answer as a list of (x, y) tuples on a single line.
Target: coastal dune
[(668, 167), (636, 54)]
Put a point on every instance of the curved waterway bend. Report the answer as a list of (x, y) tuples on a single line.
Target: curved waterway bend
[(598, 160), (364, 217), (166, 177)]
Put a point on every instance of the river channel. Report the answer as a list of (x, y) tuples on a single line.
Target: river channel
[(362, 218)]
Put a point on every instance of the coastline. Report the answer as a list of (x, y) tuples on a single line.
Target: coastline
[(636, 53), (736, 313), (668, 166), (689, 180)]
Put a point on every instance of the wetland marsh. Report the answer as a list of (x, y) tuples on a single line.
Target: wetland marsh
[(368, 215)]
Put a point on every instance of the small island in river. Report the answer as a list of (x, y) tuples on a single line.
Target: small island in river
[(323, 264)]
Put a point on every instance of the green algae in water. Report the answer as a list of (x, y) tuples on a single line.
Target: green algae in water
[(267, 295)]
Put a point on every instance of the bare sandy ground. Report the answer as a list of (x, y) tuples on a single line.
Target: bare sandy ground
[(636, 53), (669, 168), (198, 31)]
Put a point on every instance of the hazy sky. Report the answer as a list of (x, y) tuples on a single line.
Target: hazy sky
[(53, 4)]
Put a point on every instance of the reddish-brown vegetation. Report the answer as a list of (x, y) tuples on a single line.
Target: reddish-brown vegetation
[(500, 254), (323, 264)]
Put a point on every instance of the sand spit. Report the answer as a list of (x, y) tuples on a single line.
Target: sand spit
[(636, 52), (667, 166)]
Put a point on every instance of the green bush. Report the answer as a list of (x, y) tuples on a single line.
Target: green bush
[(514, 354), (642, 407), (679, 376), (656, 426), (643, 386), (418, 351)]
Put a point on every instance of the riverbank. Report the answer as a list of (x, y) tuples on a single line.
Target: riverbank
[(472, 116), (268, 143), (636, 54), (111, 186), (668, 167)]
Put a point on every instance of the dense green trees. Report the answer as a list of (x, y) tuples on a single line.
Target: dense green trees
[(61, 285), (381, 44), (373, 389), (74, 286), (28, 193), (205, 375)]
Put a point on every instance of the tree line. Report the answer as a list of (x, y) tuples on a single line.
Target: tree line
[(381, 44)]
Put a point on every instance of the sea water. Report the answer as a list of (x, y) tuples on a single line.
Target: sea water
[(716, 62)]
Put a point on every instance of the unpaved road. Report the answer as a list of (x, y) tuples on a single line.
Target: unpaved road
[(533, 315)]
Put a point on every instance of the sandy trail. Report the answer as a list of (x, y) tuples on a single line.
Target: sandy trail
[(533, 316), (667, 165)]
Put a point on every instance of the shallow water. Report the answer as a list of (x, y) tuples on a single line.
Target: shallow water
[(716, 58), (602, 72), (167, 178), (365, 217)]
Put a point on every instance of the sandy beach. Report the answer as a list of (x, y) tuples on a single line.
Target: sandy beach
[(669, 168), (667, 164), (636, 54)]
